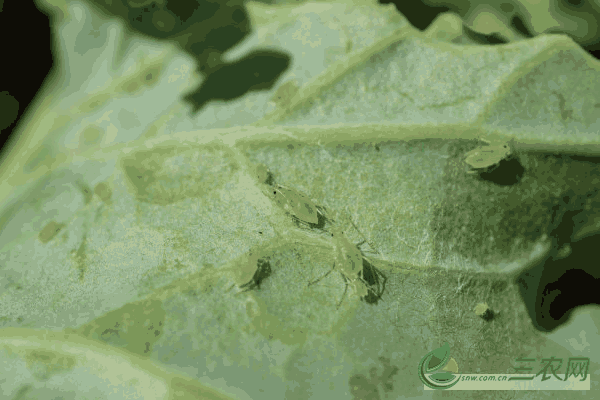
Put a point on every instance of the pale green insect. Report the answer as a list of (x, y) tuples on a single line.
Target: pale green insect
[(357, 271), (292, 201), (263, 271), (487, 158), (297, 204), (250, 270)]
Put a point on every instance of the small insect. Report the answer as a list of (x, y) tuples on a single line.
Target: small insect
[(250, 270), (263, 271), (484, 312), (486, 159), (296, 203), (355, 268), (302, 209)]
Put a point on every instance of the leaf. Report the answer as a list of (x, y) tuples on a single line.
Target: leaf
[(375, 126), (38, 357)]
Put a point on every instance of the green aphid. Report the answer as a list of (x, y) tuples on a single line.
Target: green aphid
[(263, 271), (364, 279), (488, 158), (302, 209), (297, 204)]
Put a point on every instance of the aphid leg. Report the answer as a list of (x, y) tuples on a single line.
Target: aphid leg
[(380, 286), (344, 294), (303, 224), (364, 238), (317, 280), (231, 287)]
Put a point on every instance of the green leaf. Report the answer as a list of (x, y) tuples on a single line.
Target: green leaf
[(373, 128)]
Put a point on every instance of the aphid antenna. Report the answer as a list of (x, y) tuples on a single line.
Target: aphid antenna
[(244, 288), (230, 288), (241, 288), (405, 242), (309, 240), (369, 252), (364, 238), (321, 278), (327, 274)]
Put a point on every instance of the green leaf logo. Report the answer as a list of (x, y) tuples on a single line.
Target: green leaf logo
[(436, 360)]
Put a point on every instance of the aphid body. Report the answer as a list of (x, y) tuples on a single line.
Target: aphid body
[(487, 158), (263, 271), (349, 261), (296, 203), (484, 311), (250, 270)]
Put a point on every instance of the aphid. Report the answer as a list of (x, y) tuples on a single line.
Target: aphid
[(300, 206), (487, 158), (250, 270), (263, 271), (302, 209), (483, 311), (357, 271)]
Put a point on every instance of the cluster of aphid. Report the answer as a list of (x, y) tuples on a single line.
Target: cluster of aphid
[(357, 271)]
